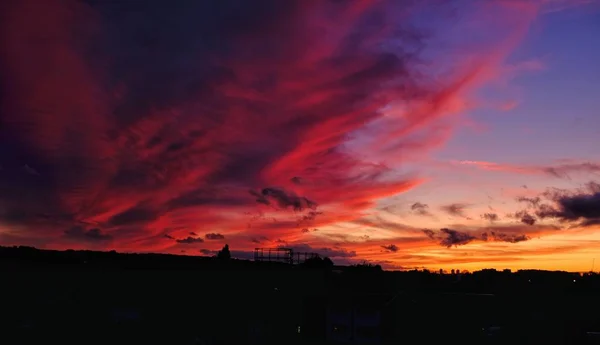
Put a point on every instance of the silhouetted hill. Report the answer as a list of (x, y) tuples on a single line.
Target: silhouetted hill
[(172, 299)]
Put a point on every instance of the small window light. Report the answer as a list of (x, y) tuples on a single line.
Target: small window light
[(298, 329)]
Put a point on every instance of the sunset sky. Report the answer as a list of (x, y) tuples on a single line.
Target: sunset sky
[(442, 134)]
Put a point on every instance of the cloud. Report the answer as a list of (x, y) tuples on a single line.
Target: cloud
[(283, 199), (454, 238), (390, 248), (533, 202), (551, 6), (141, 117), (492, 217), (503, 237), (332, 252), (214, 236), (259, 239), (80, 233), (581, 205), (134, 215), (562, 171), (208, 252), (525, 217), (572, 208), (378, 223), (420, 209), (448, 237), (190, 240), (457, 209)]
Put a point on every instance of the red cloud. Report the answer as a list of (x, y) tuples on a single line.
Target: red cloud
[(142, 120)]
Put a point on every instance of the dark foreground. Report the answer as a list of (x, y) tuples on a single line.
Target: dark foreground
[(98, 301)]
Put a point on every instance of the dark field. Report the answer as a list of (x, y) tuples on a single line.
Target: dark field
[(248, 303)]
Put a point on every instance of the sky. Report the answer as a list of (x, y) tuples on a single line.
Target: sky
[(410, 134)]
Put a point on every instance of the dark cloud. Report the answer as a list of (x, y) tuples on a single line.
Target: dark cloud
[(135, 215), (334, 252), (455, 238), (582, 205), (503, 237), (390, 248), (208, 252), (206, 196), (80, 233), (429, 233), (189, 240), (214, 236), (590, 222), (449, 237), (305, 230), (492, 217), (193, 234), (592, 187), (533, 202), (283, 199), (169, 237), (457, 209), (576, 207), (259, 239), (383, 224), (525, 218), (420, 209), (564, 170), (311, 215)]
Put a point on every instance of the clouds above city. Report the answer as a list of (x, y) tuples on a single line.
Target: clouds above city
[(138, 126)]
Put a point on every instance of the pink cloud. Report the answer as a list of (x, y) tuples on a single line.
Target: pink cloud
[(149, 137)]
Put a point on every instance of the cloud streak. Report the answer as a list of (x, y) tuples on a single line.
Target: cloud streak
[(562, 171)]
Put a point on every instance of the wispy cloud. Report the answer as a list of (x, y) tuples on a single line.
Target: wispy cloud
[(563, 170)]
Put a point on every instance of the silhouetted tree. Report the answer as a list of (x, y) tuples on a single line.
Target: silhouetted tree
[(224, 254), (318, 262), (365, 267)]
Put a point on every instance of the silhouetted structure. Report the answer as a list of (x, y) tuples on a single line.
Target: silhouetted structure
[(285, 255), (274, 255)]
